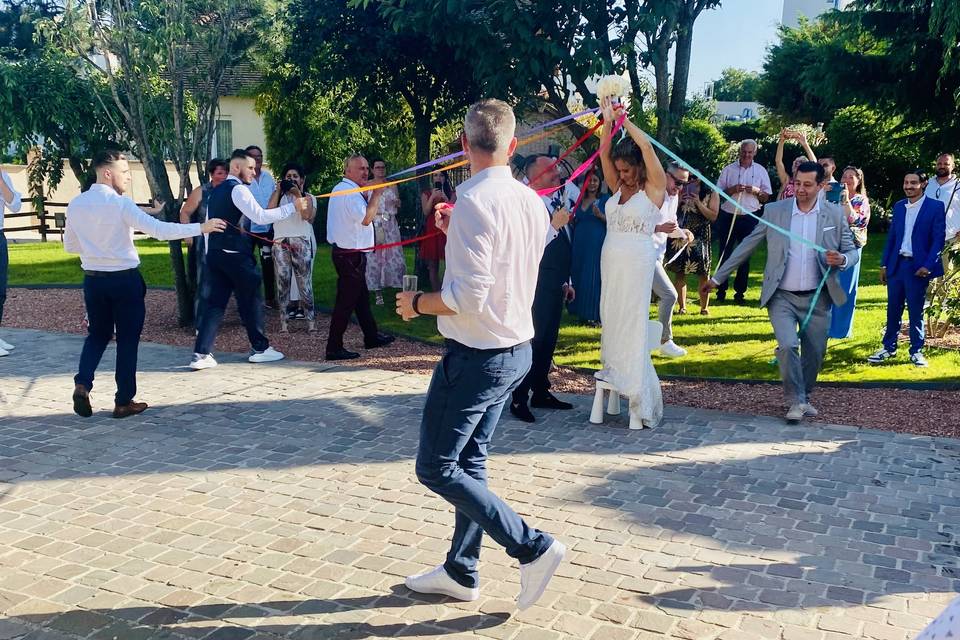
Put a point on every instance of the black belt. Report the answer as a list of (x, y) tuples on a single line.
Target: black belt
[(808, 292), (110, 274), (459, 346)]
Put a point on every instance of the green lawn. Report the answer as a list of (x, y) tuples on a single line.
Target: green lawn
[(732, 342)]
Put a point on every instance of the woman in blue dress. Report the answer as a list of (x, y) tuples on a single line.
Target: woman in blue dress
[(856, 205), (590, 228)]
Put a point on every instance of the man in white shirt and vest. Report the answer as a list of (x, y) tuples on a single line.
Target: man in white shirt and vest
[(230, 267), (262, 186), (677, 178), (350, 231), (100, 226), (9, 199), (495, 239), (749, 184)]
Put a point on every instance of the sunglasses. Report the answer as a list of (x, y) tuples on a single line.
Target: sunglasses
[(679, 182)]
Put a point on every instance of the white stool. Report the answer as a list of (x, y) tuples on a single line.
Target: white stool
[(654, 330)]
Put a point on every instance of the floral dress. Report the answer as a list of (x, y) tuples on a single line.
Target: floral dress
[(386, 267), (696, 257)]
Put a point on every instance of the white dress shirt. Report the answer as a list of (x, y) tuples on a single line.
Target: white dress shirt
[(802, 273), (668, 213), (15, 204), (567, 196), (495, 241), (100, 226), (913, 210), (345, 216), (262, 188), (733, 174)]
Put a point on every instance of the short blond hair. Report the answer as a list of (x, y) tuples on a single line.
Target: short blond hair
[(489, 125), (350, 158)]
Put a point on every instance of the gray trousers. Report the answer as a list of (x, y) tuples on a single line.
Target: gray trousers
[(667, 295), (800, 355)]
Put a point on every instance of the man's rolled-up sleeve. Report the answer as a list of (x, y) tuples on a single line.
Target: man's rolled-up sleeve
[(469, 257)]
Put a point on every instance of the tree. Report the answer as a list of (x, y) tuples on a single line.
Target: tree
[(141, 51), (736, 85)]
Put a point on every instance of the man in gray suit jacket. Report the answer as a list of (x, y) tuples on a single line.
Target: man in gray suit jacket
[(790, 279)]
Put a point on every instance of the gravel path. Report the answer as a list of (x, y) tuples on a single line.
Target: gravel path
[(933, 413)]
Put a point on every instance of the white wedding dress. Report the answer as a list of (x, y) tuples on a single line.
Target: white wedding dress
[(626, 274)]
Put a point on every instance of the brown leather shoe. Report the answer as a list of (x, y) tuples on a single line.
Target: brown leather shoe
[(81, 401), (127, 410)]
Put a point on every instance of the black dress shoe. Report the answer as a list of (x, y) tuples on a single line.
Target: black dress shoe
[(721, 296), (382, 340), (549, 401), (739, 299), (342, 354), (81, 401), (521, 412)]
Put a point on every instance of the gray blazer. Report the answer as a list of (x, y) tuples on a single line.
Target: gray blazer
[(833, 233)]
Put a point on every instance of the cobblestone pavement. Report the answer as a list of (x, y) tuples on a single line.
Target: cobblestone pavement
[(266, 501)]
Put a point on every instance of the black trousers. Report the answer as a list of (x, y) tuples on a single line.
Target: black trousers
[(547, 312), (223, 274), (265, 249), (113, 300), (352, 297), (743, 226)]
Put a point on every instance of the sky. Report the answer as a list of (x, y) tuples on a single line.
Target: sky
[(735, 35)]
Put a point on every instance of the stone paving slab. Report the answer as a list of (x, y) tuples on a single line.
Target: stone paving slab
[(279, 501)]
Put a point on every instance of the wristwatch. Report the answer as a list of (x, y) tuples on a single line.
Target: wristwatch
[(415, 302)]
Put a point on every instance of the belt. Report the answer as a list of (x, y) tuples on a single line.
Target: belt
[(459, 346), (808, 292), (906, 255), (110, 274)]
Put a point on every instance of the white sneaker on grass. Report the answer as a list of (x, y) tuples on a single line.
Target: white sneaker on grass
[(6, 346), (671, 350), (267, 355), (535, 576), (438, 581), (202, 361)]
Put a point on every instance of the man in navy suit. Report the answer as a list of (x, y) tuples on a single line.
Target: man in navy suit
[(910, 259), (553, 289)]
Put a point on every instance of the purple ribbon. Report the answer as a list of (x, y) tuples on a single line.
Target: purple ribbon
[(452, 156)]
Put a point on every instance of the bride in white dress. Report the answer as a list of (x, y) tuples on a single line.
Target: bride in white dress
[(633, 171)]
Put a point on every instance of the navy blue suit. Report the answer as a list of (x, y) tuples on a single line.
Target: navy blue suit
[(903, 286)]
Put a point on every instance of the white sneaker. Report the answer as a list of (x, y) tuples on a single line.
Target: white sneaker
[(535, 575), (809, 410), (267, 355), (439, 581), (671, 350), (202, 361), (6, 346), (795, 413), (3, 352)]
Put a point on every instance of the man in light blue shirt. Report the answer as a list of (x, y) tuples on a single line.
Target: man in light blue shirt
[(262, 187)]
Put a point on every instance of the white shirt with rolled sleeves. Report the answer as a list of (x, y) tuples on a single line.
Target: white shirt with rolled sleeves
[(668, 213), (733, 174), (14, 205), (495, 240), (345, 216), (949, 194), (262, 188), (100, 226)]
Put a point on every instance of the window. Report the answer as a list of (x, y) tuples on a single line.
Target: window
[(223, 141)]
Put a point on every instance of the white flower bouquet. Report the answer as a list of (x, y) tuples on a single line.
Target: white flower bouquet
[(613, 87)]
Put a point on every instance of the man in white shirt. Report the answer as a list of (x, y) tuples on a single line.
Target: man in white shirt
[(230, 267), (9, 199), (495, 240), (100, 226), (946, 188), (799, 314), (262, 186), (677, 178), (749, 184), (350, 231), (553, 289)]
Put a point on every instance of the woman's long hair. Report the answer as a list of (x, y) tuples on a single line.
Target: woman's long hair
[(861, 185), (628, 151)]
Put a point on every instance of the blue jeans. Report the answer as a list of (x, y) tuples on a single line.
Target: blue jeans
[(466, 395), (113, 301), (903, 287), (4, 265)]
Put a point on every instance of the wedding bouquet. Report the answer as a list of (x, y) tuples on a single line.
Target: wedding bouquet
[(613, 87)]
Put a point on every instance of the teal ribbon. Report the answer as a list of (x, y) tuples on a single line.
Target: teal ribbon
[(737, 205)]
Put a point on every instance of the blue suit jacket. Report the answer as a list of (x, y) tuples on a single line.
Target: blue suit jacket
[(929, 233)]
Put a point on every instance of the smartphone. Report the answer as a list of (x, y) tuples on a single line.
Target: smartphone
[(833, 192)]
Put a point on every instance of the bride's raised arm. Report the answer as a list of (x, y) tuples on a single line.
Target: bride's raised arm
[(656, 185), (610, 175)]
